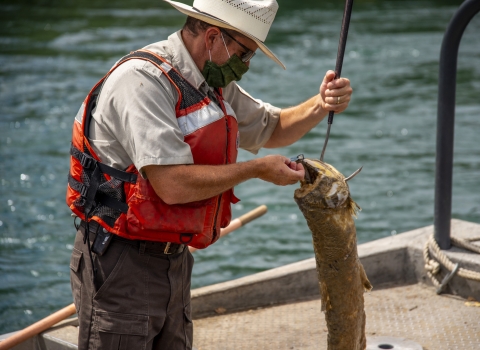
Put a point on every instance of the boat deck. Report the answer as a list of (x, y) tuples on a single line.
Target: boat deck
[(414, 312), (280, 308)]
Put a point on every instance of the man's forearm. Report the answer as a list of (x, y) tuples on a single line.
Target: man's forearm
[(295, 122), (334, 95), (177, 184)]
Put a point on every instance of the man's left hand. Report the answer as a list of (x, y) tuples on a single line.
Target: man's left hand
[(335, 94)]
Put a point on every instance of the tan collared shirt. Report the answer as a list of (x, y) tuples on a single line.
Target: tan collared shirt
[(135, 121)]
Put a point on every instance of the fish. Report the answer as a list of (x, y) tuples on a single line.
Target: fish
[(325, 201)]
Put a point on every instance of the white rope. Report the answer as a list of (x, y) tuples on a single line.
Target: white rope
[(433, 267), (465, 244)]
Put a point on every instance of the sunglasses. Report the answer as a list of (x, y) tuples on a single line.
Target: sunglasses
[(248, 55)]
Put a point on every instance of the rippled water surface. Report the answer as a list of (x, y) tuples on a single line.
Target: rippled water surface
[(51, 53)]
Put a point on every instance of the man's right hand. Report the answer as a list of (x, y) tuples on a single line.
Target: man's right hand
[(280, 170)]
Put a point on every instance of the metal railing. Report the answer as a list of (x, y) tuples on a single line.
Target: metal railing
[(446, 119)]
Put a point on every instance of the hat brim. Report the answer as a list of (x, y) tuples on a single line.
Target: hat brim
[(190, 11)]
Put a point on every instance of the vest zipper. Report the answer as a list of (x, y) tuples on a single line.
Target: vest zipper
[(215, 233)]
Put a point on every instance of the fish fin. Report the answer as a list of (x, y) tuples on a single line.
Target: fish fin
[(353, 207), (363, 277)]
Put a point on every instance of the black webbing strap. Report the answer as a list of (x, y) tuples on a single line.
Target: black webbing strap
[(99, 197), (77, 185), (112, 202), (118, 174), (88, 162), (95, 181)]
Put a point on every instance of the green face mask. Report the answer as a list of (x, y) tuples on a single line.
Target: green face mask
[(219, 76)]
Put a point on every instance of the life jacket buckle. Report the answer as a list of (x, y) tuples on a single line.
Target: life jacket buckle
[(86, 161), (83, 191)]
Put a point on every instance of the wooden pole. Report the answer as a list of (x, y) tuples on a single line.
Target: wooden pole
[(37, 327), (239, 222), (68, 311)]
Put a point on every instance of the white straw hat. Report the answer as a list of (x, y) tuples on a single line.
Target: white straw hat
[(252, 18)]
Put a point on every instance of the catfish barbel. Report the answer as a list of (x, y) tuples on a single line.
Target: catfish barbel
[(324, 199)]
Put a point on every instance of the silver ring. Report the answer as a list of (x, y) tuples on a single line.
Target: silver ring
[(338, 100)]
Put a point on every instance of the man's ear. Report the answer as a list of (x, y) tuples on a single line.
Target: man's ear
[(211, 34)]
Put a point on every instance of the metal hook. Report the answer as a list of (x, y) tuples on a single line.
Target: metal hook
[(297, 159)]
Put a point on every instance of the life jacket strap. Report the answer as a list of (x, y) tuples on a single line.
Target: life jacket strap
[(88, 162), (99, 197)]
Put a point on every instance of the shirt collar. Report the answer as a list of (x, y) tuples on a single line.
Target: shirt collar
[(183, 61)]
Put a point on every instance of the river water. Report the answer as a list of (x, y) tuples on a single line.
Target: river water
[(51, 53)]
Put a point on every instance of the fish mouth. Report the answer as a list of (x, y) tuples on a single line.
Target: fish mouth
[(324, 187), (314, 168), (311, 172)]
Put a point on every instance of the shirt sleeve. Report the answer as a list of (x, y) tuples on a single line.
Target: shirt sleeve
[(256, 119), (137, 109)]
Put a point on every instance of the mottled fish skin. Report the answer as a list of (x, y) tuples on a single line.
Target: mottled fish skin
[(324, 199)]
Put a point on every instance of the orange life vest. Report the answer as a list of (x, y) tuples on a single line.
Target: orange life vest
[(123, 202)]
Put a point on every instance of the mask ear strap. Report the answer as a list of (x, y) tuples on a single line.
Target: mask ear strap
[(228, 53)]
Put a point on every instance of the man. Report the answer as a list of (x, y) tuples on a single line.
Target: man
[(153, 168)]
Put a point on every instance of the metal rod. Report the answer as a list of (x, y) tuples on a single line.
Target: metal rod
[(338, 67), (326, 141), (446, 120)]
